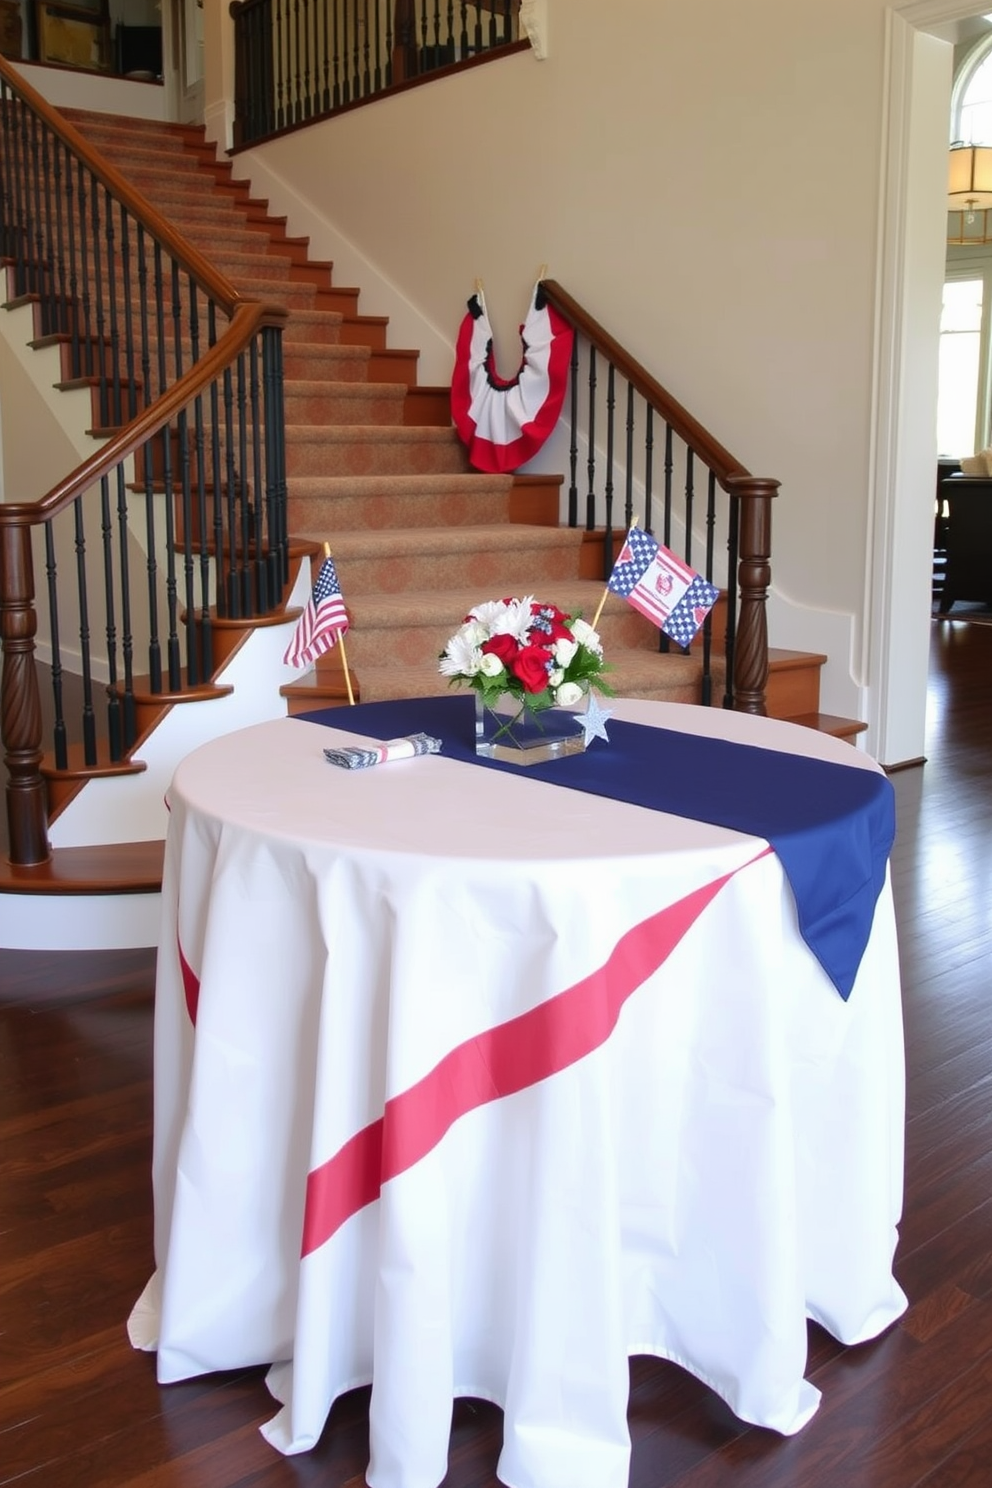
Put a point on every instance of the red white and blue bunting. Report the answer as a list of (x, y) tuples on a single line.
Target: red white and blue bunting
[(503, 422)]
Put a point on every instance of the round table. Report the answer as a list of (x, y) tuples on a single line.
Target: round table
[(466, 1084)]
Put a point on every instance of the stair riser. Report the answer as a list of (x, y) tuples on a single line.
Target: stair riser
[(364, 455), (419, 642), (793, 692), (343, 405), (486, 571), (345, 509)]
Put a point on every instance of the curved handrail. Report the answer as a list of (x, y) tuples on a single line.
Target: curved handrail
[(210, 279), (722, 463), (249, 318)]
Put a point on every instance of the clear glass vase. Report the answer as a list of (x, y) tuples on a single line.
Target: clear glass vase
[(511, 732)]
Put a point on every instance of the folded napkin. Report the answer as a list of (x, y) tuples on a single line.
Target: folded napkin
[(350, 757)]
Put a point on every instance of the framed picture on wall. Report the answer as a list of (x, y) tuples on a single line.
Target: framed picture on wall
[(74, 35)]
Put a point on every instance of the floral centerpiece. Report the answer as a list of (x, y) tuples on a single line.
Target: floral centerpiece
[(524, 658)]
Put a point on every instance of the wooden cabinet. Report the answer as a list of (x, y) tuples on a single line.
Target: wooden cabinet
[(968, 570)]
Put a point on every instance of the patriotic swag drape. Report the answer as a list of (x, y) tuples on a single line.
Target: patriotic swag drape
[(503, 422)]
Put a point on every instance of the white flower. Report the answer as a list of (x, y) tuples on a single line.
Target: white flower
[(489, 616), (462, 657), (586, 636), (473, 630), (490, 665), (565, 651), (556, 677), (515, 619), (568, 694)]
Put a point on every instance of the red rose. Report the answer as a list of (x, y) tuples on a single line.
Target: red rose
[(530, 667), (503, 646), (552, 625)]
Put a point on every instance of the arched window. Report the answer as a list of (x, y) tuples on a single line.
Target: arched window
[(971, 99)]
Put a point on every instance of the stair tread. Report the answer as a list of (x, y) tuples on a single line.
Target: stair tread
[(829, 723), (784, 658), (115, 867)]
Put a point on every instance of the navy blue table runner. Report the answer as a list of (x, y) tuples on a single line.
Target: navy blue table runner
[(831, 826)]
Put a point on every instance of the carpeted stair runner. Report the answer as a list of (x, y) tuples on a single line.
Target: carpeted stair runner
[(418, 536)]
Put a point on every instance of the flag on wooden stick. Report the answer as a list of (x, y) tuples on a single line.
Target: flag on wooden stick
[(652, 579), (323, 622)]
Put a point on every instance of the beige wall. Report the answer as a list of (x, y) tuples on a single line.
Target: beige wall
[(703, 177)]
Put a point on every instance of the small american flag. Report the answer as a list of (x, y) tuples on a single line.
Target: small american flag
[(691, 610), (323, 622), (649, 576)]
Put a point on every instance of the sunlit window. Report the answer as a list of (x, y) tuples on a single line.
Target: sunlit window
[(971, 106), (960, 361)]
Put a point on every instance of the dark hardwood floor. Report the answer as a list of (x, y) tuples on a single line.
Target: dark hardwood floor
[(79, 1409)]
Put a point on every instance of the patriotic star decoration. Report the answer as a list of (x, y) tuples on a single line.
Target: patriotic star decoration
[(594, 720)]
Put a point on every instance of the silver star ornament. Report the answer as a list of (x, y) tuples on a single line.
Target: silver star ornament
[(594, 720)]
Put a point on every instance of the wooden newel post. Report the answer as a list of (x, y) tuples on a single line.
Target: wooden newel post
[(20, 702), (754, 496)]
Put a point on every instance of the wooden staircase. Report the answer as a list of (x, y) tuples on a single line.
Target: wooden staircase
[(375, 468)]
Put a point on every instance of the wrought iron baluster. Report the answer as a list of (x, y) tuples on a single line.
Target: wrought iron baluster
[(245, 533), (591, 444), (648, 467), (628, 499), (203, 627), (117, 390), (296, 112), (86, 661), (72, 253), (307, 104), (389, 42), (37, 281), (690, 492), (463, 35), (325, 61), (129, 344), (256, 486), (573, 436), (608, 490), (275, 460), (217, 488), (666, 530), (379, 79), (151, 568), (366, 51), (101, 315), (356, 55), (88, 329), (186, 499), (129, 719), (173, 650), (113, 698), (58, 246), (159, 303), (230, 476), (277, 22), (336, 83)]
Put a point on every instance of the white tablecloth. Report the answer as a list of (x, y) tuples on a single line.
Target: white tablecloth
[(690, 1175)]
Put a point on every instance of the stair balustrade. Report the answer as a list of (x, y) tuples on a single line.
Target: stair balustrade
[(645, 456), (181, 516), (301, 60)]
